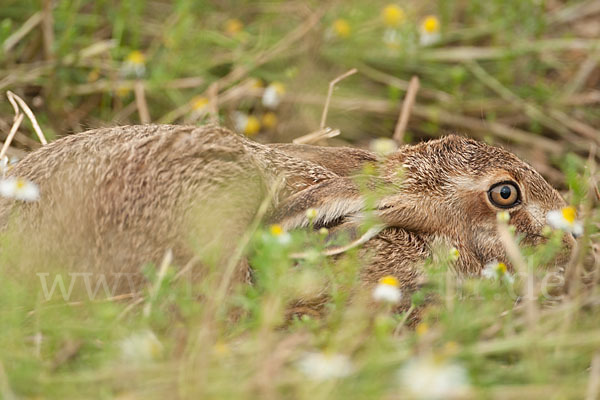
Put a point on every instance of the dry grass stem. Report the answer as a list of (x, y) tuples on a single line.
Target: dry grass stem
[(11, 134), (213, 103), (315, 136), (14, 99), (520, 265), (593, 389), (20, 33), (5, 390), (243, 242), (166, 262), (48, 29), (141, 104), (330, 93), (407, 106)]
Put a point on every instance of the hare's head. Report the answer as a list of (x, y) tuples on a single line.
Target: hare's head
[(456, 186), (447, 190)]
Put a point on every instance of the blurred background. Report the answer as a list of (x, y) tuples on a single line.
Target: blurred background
[(524, 74), (521, 73)]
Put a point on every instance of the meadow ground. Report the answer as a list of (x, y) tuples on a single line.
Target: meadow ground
[(524, 74)]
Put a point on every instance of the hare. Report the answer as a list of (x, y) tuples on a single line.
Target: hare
[(113, 199)]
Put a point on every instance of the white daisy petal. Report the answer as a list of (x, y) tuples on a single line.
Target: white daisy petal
[(321, 366), (428, 378), (141, 347), (273, 95), (387, 290), (387, 293), (19, 188), (565, 220)]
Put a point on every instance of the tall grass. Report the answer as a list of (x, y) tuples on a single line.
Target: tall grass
[(519, 73)]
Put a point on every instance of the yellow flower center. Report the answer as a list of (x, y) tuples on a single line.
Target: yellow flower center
[(256, 83), (502, 267), (221, 348), (431, 24), (20, 184), (276, 230), (136, 57), (233, 26), (269, 120), (279, 88), (450, 348), (422, 328), (198, 103), (123, 91), (569, 214), (93, 75), (454, 252), (342, 28), (252, 126), (393, 15), (389, 280)]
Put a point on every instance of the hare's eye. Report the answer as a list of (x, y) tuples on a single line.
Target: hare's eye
[(504, 194)]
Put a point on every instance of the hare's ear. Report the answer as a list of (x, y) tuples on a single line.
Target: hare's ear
[(343, 161), (333, 200)]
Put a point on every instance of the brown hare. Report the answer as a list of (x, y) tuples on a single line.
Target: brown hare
[(113, 199)]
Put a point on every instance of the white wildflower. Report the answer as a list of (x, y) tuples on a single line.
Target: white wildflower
[(429, 377), (246, 124), (454, 254), (429, 30), (135, 65), (391, 38), (273, 94), (387, 290), (393, 15), (311, 214), (141, 347), (383, 146), (497, 270), (565, 219), (20, 189), (282, 236), (323, 366)]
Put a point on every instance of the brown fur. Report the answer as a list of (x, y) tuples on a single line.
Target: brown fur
[(113, 199)]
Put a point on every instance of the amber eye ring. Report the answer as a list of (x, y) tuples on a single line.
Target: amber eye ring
[(505, 194)]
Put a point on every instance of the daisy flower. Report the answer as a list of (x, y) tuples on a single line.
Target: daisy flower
[(233, 26), (341, 28), (383, 146), (323, 366), (497, 270), (430, 377), (429, 30), (269, 120), (454, 254), (20, 189), (199, 106), (387, 290), (247, 124), (141, 347), (565, 219), (273, 94), (135, 65), (392, 16), (282, 236)]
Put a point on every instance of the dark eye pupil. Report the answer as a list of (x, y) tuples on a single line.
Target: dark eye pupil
[(505, 192)]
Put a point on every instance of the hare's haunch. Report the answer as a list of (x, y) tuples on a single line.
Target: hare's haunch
[(113, 199)]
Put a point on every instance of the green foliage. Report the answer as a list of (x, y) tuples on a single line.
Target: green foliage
[(189, 338)]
